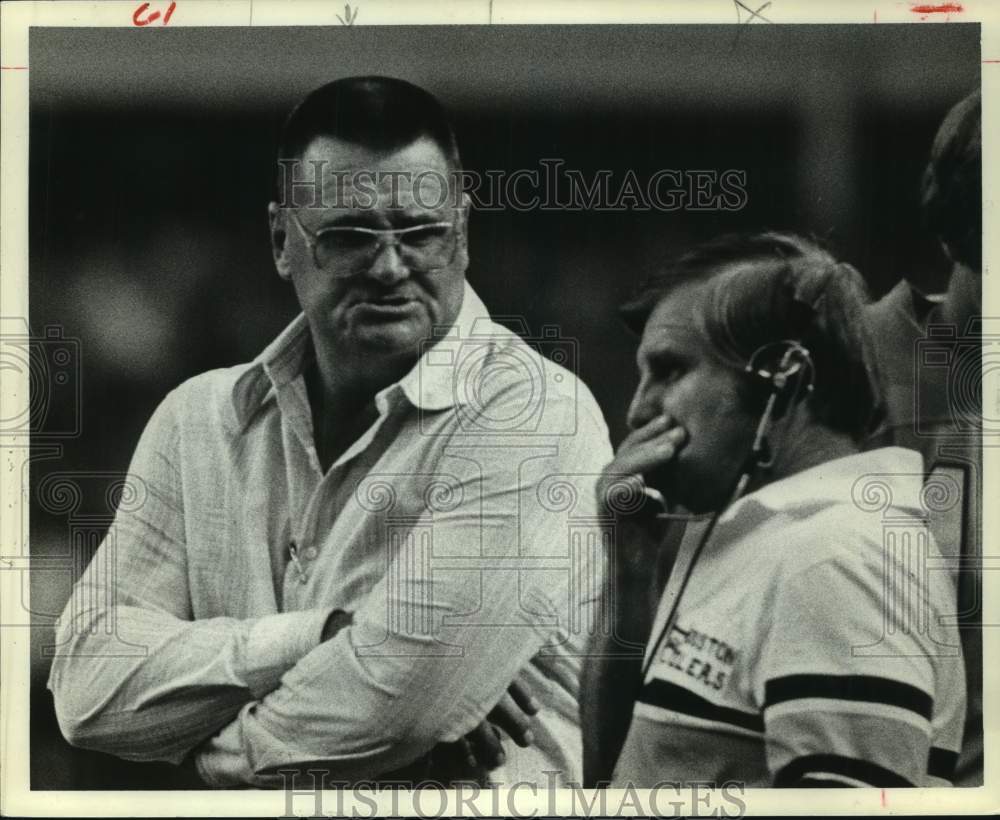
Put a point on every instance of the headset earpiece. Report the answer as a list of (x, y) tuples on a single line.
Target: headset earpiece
[(786, 367), (785, 371)]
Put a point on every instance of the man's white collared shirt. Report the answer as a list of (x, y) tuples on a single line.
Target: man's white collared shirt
[(459, 530)]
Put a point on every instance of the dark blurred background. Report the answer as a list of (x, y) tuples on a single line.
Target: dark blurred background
[(152, 162)]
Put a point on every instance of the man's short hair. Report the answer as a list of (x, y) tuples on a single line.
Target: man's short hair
[(952, 184), (771, 287), (382, 113)]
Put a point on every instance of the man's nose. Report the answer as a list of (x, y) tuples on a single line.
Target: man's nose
[(646, 404), (388, 266)]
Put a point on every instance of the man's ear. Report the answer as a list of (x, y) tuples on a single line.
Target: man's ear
[(465, 207), (462, 216), (279, 239)]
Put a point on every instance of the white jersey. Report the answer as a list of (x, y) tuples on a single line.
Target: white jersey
[(812, 644)]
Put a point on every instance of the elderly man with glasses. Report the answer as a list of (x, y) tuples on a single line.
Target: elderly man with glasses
[(348, 549)]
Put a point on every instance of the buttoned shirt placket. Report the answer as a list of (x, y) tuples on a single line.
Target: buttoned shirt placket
[(308, 487)]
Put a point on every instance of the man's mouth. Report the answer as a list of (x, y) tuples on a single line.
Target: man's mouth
[(387, 304), (387, 299)]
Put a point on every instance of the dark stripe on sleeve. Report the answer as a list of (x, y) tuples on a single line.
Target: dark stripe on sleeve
[(867, 688), (942, 763), (813, 767), (678, 699)]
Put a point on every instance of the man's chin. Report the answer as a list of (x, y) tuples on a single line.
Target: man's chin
[(395, 339)]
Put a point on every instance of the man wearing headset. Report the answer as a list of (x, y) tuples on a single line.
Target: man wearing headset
[(773, 655)]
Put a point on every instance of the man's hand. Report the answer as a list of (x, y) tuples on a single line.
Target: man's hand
[(640, 559), (481, 750), (623, 491), (644, 452), (513, 714)]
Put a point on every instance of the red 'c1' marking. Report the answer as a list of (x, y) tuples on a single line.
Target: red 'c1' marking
[(943, 8), (138, 20), (146, 20)]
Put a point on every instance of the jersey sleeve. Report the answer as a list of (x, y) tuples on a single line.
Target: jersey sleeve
[(851, 674)]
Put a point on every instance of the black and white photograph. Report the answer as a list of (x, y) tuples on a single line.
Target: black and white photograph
[(400, 412)]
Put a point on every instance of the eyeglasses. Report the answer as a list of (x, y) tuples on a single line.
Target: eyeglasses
[(347, 250)]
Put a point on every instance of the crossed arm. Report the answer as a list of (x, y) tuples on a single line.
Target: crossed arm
[(140, 676)]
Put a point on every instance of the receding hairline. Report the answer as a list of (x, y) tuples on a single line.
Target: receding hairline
[(334, 163), (340, 143), (373, 110)]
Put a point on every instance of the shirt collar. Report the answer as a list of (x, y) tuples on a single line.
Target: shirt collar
[(276, 365), (429, 385), (432, 384), (891, 473), (905, 310), (899, 322)]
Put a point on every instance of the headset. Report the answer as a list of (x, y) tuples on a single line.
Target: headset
[(785, 368)]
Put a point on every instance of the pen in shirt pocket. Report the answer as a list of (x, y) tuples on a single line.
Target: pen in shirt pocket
[(293, 552)]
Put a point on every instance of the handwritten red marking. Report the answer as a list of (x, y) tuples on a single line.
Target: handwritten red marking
[(139, 20), (991, 61), (943, 8), (146, 20), (13, 67), (883, 798)]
